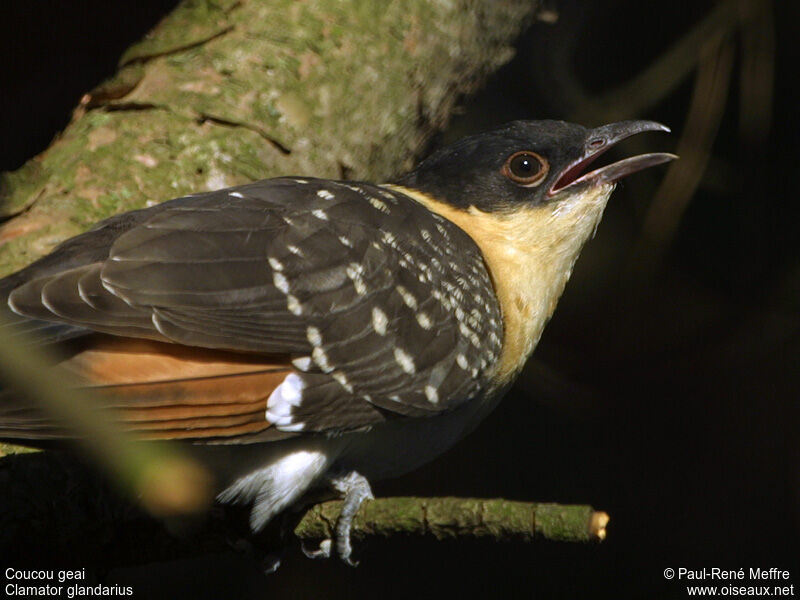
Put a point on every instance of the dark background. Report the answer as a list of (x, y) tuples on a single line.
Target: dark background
[(665, 396)]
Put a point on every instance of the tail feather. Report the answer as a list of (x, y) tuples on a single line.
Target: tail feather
[(161, 391)]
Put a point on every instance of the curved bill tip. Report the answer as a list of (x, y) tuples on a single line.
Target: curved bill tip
[(598, 141), (653, 126)]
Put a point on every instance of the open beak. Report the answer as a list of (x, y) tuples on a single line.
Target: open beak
[(598, 141)]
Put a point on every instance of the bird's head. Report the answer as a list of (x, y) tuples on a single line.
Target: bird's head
[(526, 196), (528, 163)]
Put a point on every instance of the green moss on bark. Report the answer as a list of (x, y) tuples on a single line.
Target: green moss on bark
[(225, 92), (451, 518)]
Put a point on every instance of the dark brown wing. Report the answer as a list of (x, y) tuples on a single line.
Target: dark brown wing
[(384, 306)]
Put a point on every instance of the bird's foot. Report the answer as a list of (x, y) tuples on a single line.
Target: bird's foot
[(354, 489)]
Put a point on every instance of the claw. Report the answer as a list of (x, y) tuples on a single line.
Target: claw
[(344, 548), (323, 551), (270, 562)]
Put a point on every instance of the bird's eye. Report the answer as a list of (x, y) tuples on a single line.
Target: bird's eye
[(525, 168)]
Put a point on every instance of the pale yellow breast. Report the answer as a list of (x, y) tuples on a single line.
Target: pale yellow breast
[(529, 253)]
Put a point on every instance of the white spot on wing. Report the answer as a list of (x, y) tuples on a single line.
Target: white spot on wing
[(280, 281), (303, 363), (431, 394), (293, 304), (424, 320), (236, 194), (354, 272), (346, 241), (325, 195), (295, 250), (461, 361), (342, 379), (275, 264), (320, 214), (405, 361), (388, 239), (379, 321), (314, 336), (408, 297), (379, 204), (319, 356), (354, 269)]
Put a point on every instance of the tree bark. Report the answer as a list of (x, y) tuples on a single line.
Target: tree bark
[(225, 92)]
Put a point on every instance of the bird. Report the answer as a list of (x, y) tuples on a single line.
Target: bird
[(305, 334)]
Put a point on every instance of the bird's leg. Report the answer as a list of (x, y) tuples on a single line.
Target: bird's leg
[(354, 489)]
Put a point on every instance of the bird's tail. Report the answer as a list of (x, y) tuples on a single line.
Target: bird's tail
[(157, 390)]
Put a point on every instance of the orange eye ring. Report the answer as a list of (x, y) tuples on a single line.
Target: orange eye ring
[(526, 168)]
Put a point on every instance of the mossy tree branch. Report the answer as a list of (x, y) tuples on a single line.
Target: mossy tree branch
[(445, 518), (228, 91)]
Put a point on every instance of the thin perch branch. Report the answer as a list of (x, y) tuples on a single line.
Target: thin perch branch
[(446, 518), (53, 506)]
